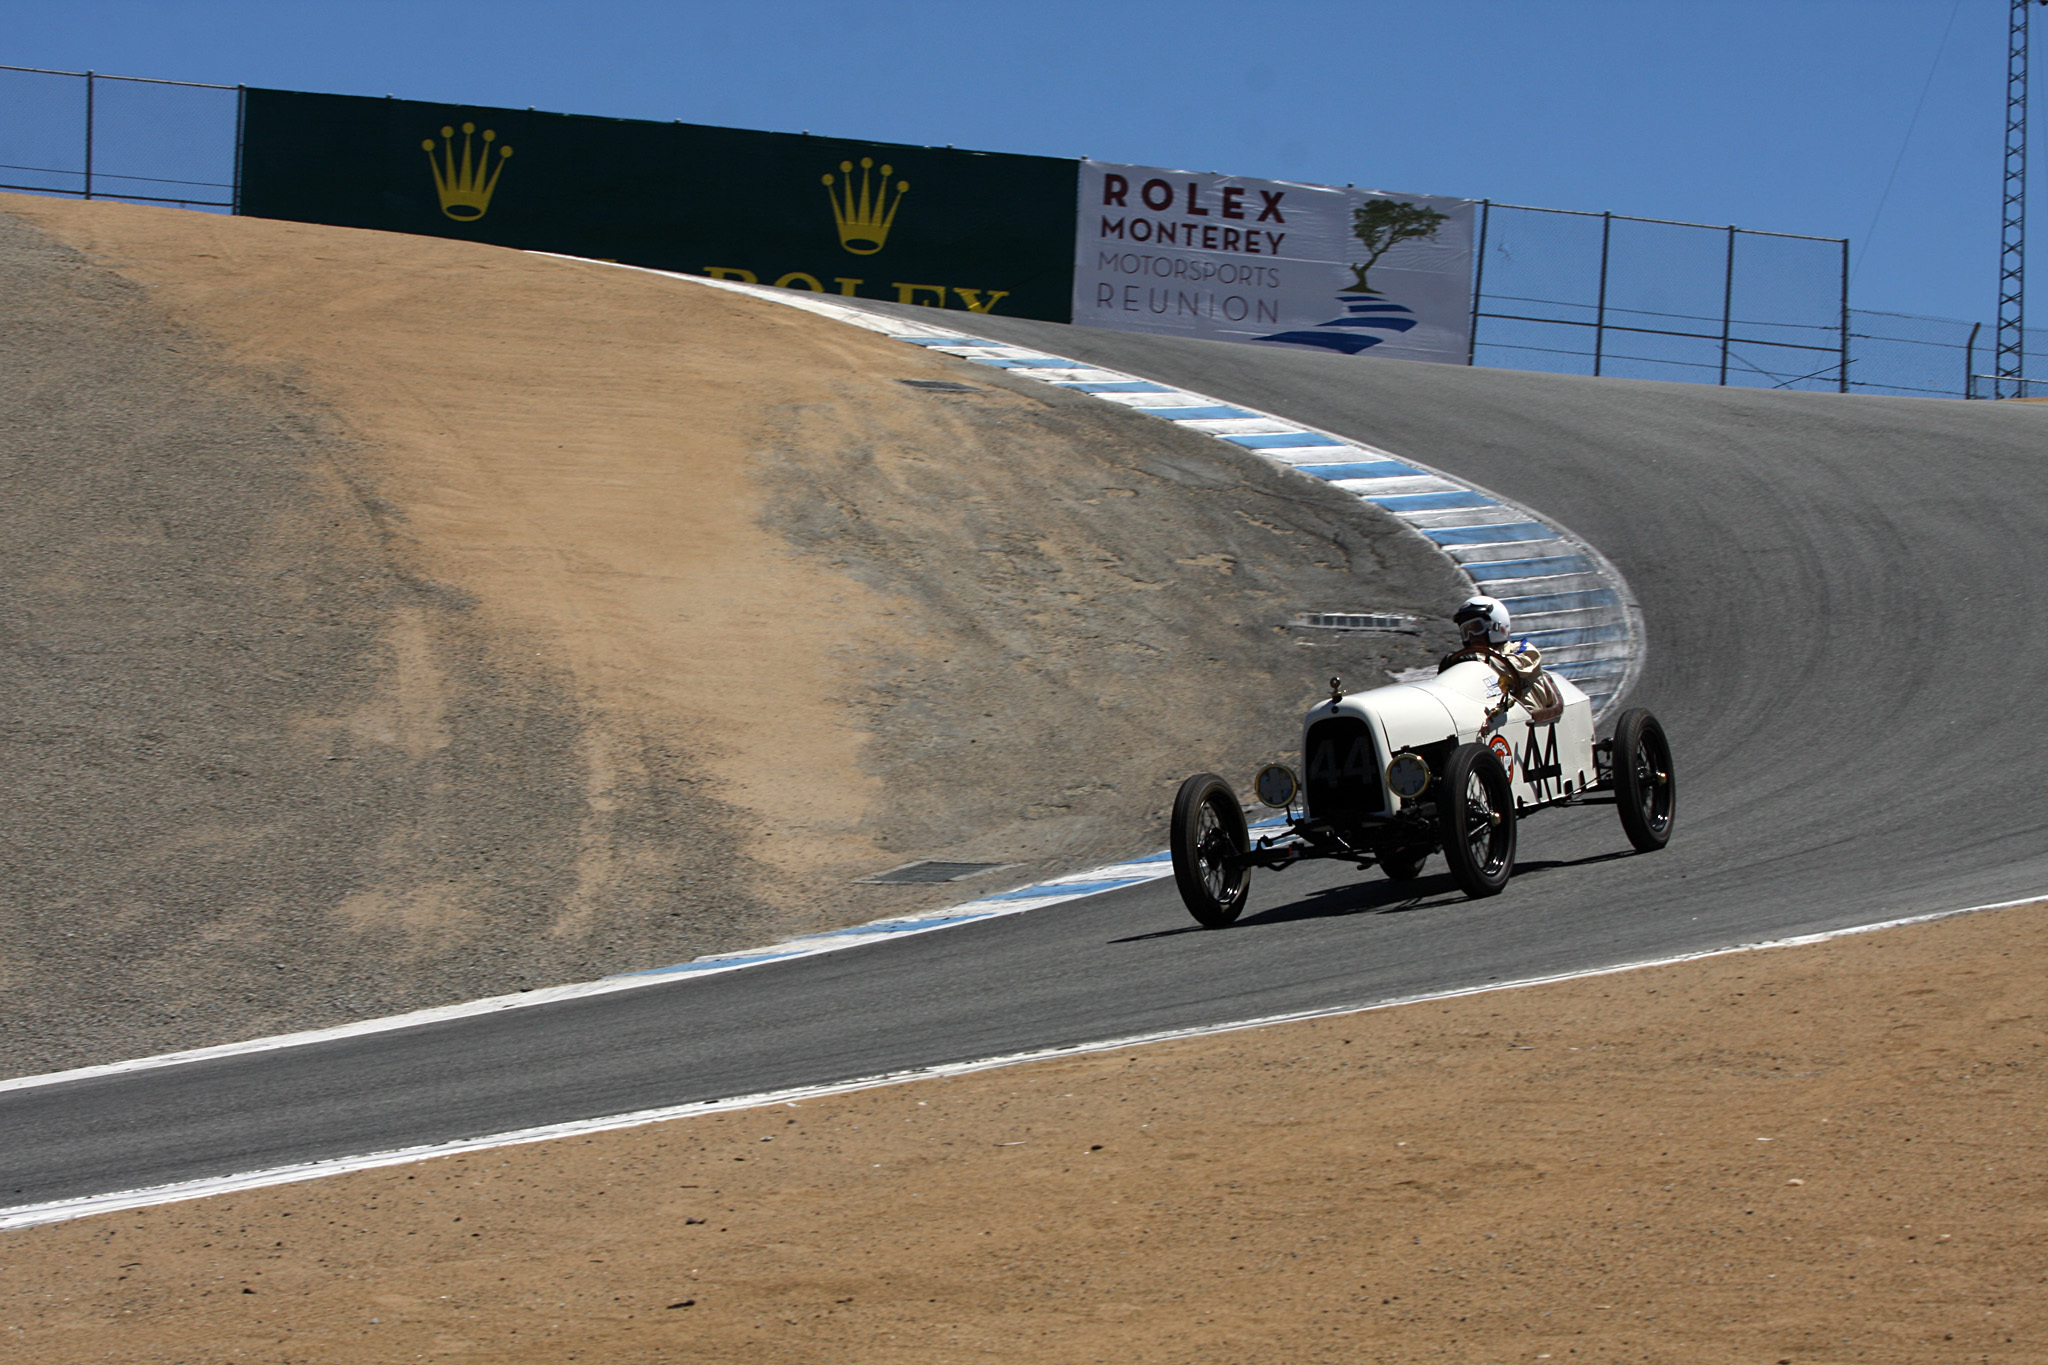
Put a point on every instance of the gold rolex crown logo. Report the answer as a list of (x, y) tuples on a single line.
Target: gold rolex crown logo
[(465, 187), (864, 215)]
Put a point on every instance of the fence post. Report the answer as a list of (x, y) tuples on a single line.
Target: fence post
[(88, 134), (1845, 315), (241, 105), (1970, 361), (1478, 279), (1727, 303), (1600, 315)]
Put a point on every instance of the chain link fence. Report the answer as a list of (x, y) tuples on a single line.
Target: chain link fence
[(1644, 298), (118, 137), (1918, 357), (1555, 290)]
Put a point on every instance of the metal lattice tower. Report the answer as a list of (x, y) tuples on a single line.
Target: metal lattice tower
[(2012, 237)]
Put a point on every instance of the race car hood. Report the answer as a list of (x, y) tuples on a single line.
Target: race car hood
[(1407, 715)]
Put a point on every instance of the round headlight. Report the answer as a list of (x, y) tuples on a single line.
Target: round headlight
[(1407, 776), (1277, 785)]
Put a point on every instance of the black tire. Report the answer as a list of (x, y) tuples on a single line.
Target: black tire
[(1645, 789), (1402, 862), (1208, 828), (1476, 807)]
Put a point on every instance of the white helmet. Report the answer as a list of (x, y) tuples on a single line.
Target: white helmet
[(1482, 618)]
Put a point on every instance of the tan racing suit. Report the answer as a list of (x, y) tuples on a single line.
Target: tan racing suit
[(1519, 665)]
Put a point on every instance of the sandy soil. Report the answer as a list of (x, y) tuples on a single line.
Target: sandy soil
[(451, 620), (1826, 1153)]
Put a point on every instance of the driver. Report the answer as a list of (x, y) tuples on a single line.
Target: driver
[(1483, 638)]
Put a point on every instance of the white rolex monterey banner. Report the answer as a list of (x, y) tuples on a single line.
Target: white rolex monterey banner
[(1268, 261)]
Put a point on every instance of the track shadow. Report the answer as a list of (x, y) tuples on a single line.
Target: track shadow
[(1530, 869), (1378, 896), (1374, 896)]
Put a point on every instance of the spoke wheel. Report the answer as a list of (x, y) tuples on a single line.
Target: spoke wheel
[(1208, 835), (1645, 788), (1476, 807)]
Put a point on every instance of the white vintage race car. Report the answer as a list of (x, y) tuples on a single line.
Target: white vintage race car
[(1398, 773)]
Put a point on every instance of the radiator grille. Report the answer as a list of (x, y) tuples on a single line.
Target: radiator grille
[(1343, 776)]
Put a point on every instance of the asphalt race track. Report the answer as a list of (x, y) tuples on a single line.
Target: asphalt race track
[(1844, 618)]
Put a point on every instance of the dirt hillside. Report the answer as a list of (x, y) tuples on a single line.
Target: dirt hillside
[(391, 620), (1832, 1153)]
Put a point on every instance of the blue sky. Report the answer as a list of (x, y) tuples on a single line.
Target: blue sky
[(1789, 115)]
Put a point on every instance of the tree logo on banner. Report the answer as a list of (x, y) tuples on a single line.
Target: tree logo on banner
[(864, 216), (1381, 224), (466, 186), (1384, 224)]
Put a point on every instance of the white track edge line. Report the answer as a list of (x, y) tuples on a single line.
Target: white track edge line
[(63, 1210), (715, 964)]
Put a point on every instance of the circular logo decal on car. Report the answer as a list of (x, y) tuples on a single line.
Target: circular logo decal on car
[(1505, 752)]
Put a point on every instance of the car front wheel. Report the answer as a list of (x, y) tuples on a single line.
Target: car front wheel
[(1476, 806), (1208, 838)]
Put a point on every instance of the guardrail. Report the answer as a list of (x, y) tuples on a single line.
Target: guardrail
[(1991, 384)]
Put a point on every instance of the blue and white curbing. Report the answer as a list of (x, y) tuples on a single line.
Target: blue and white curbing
[(1565, 597), (1038, 896)]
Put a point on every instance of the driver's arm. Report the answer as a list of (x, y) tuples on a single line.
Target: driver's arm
[(1532, 686), (1546, 707)]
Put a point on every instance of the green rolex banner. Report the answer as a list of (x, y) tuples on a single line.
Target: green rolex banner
[(983, 232)]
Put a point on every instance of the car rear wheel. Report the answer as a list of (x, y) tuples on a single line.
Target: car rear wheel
[(1476, 806), (1208, 836), (1645, 789)]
